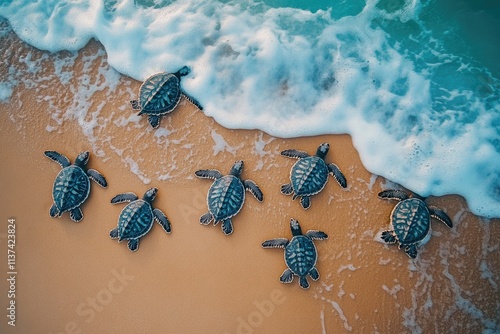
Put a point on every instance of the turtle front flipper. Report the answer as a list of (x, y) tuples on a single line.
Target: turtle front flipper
[(125, 197), (227, 226), (253, 188), (287, 189), (206, 218), (135, 105), (193, 101), (287, 276), (154, 121), (54, 211), (314, 273), (133, 244), (305, 201), (208, 174), (97, 178), (58, 157), (76, 215), (389, 237), (317, 235), (304, 284), (275, 243), (440, 215), (162, 220), (411, 251), (337, 175), (113, 234), (296, 154), (393, 194)]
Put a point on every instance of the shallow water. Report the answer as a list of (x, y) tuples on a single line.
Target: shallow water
[(410, 81)]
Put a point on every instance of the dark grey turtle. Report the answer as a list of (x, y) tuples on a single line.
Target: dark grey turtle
[(137, 218), (411, 221), (300, 254), (309, 175), (226, 196), (160, 94), (72, 184)]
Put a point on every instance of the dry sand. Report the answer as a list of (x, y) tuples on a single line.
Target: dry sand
[(72, 278)]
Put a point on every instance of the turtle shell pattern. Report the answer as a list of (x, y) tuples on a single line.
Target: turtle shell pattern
[(160, 94), (411, 221), (136, 219), (71, 188), (301, 255), (225, 197), (309, 175)]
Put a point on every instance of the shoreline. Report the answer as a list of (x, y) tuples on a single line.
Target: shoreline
[(226, 283)]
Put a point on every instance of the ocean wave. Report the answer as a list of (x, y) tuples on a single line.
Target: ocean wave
[(419, 113)]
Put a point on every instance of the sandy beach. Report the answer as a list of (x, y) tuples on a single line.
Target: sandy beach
[(72, 278)]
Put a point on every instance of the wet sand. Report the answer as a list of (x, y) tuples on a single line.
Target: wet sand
[(72, 278)]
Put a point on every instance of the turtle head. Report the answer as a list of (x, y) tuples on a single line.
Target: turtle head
[(295, 227), (237, 168), (150, 195), (82, 159), (322, 150), (182, 72)]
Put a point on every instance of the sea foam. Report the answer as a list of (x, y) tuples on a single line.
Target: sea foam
[(423, 117)]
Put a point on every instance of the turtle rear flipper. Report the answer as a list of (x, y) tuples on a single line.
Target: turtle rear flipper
[(206, 218), (97, 178), (133, 244), (440, 215), (411, 251), (389, 237), (76, 215), (305, 201), (304, 284), (113, 234), (337, 175), (227, 226), (154, 121), (54, 211), (275, 243), (193, 101), (135, 105), (125, 197), (253, 188), (296, 154), (287, 189), (314, 274), (162, 220), (287, 276), (62, 160)]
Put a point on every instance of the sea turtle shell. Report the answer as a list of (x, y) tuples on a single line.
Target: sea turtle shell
[(136, 219), (225, 197), (71, 188), (309, 176), (301, 255), (410, 220), (160, 94)]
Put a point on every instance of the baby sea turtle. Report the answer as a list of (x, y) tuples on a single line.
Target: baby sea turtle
[(300, 254), (226, 196), (410, 221), (160, 94), (137, 218), (72, 185), (309, 175)]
